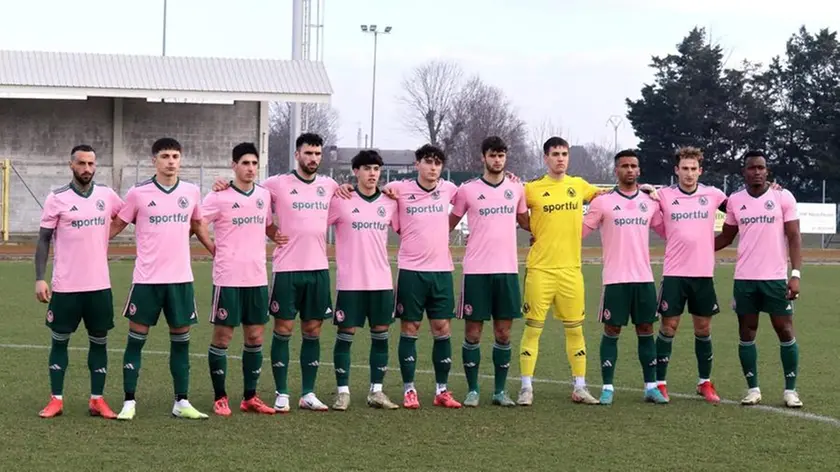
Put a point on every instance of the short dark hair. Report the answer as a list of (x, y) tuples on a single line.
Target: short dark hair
[(554, 141), (626, 153), (493, 143), (311, 139), (366, 157), (428, 150), (81, 148), (751, 154), (166, 144), (244, 148)]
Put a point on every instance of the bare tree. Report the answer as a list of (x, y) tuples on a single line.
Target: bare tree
[(539, 134), (482, 110), (429, 94), (593, 162), (319, 118)]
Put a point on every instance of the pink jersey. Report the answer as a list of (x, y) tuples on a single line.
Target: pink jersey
[(361, 241), (162, 221), (762, 245), (82, 224), (424, 225), (491, 218), (689, 221), (239, 220), (625, 223), (302, 207)]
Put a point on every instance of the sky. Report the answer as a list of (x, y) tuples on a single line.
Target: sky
[(571, 63)]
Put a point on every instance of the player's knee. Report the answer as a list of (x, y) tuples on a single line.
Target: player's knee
[(644, 329), (312, 331), (283, 327), (611, 330), (502, 334), (222, 337), (350, 331), (98, 334), (138, 328), (179, 330), (472, 331), (668, 325), (253, 335), (410, 328), (783, 327), (440, 327), (702, 329), (378, 329)]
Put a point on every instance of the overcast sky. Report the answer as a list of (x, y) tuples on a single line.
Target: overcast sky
[(569, 61)]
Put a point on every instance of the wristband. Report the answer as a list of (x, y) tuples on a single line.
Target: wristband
[(795, 273)]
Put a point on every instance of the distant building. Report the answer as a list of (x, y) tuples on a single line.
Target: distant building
[(396, 160)]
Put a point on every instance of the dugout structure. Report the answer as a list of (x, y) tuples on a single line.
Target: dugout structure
[(120, 104)]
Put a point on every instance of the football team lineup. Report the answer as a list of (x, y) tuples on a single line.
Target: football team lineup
[(83, 216)]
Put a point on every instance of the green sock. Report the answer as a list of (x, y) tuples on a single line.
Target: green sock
[(97, 363), (703, 351), (280, 362), (748, 354), (131, 363), (442, 358), (790, 363), (609, 356), (252, 359), (58, 361), (647, 357), (501, 362), (378, 356), (217, 358), (407, 351), (664, 344), (471, 353), (341, 358), (310, 355), (179, 363)]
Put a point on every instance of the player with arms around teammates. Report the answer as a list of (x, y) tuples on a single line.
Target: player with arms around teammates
[(165, 212), (424, 280), (79, 216), (688, 210), (364, 283), (490, 287), (625, 217), (767, 222), (553, 268), (241, 218)]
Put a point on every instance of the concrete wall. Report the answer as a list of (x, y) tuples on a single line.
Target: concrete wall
[(37, 135)]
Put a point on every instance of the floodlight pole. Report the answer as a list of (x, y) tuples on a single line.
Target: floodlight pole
[(372, 30), (164, 27)]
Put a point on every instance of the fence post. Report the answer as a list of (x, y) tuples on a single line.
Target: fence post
[(822, 236), (137, 172), (201, 177), (7, 167)]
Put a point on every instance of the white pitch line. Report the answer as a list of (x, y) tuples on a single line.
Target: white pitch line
[(829, 420)]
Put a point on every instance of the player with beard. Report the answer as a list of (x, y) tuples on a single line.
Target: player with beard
[(79, 216), (490, 287)]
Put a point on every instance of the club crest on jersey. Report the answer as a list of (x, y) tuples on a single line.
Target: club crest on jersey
[(468, 310), (606, 314), (50, 316), (275, 307), (321, 191), (183, 202), (526, 308), (769, 205), (222, 314), (260, 203), (643, 207), (339, 315), (381, 211), (571, 192), (508, 194), (436, 195), (132, 309), (704, 201), (100, 205)]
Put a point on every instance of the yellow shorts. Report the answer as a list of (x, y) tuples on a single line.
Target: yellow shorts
[(561, 288)]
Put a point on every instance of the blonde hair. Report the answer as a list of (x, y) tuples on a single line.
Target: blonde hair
[(689, 152)]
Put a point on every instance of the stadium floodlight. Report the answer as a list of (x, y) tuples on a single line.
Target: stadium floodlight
[(372, 29)]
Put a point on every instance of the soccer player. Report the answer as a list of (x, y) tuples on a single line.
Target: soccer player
[(165, 212), (688, 211), (768, 223), (241, 218), (553, 274), (424, 280), (79, 216), (625, 216), (490, 287), (364, 283)]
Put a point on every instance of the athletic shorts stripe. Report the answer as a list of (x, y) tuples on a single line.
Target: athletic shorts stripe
[(601, 305), (215, 305), (459, 313), (271, 286), (661, 293), (396, 292), (128, 299)]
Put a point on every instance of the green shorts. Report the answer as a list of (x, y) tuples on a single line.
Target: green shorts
[(751, 297), (697, 292), (67, 310), (431, 292), (490, 296), (353, 307), (306, 292), (621, 303), (233, 306), (177, 301)]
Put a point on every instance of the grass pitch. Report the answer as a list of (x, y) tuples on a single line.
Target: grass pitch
[(554, 434)]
